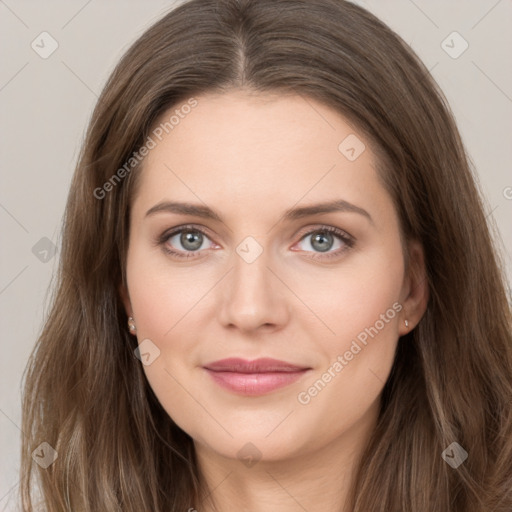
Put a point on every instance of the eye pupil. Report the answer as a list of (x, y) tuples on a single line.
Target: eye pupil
[(191, 237), (321, 238)]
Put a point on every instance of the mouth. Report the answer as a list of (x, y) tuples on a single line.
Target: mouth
[(253, 378)]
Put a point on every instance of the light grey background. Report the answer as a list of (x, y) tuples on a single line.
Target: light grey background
[(45, 105)]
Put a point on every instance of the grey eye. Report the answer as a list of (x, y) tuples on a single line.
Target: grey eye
[(191, 240), (322, 241)]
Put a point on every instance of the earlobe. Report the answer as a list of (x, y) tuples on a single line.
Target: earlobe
[(131, 325), (123, 293), (416, 291)]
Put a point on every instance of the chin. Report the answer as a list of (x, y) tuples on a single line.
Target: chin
[(251, 443)]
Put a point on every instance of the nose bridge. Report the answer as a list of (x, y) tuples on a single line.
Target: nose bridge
[(250, 294)]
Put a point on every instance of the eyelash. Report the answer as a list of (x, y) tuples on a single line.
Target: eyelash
[(348, 240)]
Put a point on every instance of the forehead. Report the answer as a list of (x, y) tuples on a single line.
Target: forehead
[(255, 151)]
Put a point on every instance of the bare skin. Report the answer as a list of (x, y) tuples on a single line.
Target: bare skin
[(304, 299)]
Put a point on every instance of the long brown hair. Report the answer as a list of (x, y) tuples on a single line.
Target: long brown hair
[(85, 392)]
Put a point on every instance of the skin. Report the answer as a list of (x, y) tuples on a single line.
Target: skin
[(250, 157)]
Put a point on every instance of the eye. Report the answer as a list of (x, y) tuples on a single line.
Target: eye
[(322, 240), (191, 239)]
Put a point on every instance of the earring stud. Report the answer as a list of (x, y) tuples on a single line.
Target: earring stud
[(406, 323), (131, 324)]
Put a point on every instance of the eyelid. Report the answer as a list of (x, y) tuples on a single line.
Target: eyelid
[(324, 227), (178, 229)]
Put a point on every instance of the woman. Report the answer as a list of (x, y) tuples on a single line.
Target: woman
[(337, 334)]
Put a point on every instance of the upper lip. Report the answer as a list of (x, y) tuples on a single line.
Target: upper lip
[(262, 365)]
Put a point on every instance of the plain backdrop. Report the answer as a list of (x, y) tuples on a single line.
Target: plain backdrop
[(45, 105)]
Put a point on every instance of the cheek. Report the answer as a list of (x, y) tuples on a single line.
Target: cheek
[(161, 297), (353, 300), (362, 313), (166, 303)]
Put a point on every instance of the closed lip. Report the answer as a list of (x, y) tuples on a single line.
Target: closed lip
[(254, 378), (262, 365)]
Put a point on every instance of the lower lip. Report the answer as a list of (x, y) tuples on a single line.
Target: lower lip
[(253, 384)]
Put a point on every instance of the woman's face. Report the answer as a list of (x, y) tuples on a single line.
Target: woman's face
[(257, 276)]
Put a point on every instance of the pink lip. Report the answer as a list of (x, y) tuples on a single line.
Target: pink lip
[(254, 377)]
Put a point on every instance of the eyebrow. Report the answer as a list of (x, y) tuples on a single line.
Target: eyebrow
[(205, 212)]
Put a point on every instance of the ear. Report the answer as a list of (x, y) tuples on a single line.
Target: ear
[(415, 291), (125, 298)]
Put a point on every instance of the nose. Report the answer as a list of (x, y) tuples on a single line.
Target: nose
[(253, 297)]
